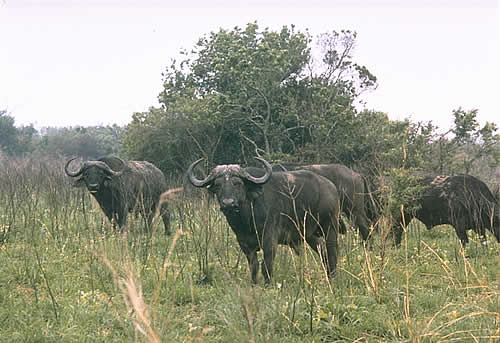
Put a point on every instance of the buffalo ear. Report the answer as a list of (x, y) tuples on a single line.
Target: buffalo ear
[(254, 191), (78, 182), (107, 180), (211, 188)]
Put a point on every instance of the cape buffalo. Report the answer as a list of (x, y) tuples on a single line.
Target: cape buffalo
[(121, 187), (275, 208), (461, 201), (351, 188)]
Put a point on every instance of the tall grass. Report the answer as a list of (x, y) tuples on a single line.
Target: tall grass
[(67, 275)]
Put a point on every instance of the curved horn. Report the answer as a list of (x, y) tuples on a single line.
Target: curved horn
[(282, 167), (72, 174), (265, 177), (194, 181), (120, 171), (104, 166)]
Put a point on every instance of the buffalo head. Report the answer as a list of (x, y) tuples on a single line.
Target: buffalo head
[(496, 214), (232, 184), (95, 174)]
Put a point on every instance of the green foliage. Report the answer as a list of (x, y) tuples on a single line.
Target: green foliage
[(464, 148), (403, 191), (172, 139), (245, 92), (244, 76), (87, 142), (381, 144), (26, 139), (384, 144), (378, 144), (472, 142), (465, 125), (15, 141), (7, 133)]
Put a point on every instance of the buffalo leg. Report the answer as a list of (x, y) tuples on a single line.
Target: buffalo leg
[(149, 216), (165, 215), (121, 218), (397, 230), (363, 226), (269, 248), (109, 214), (326, 246), (331, 248), (253, 263), (317, 243), (460, 226), (342, 228), (496, 232), (482, 234), (326, 249), (461, 233), (397, 234)]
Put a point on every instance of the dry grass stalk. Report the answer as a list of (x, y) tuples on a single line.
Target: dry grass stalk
[(134, 300), (447, 269), (406, 302), (132, 292), (171, 194)]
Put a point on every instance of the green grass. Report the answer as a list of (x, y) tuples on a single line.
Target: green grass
[(67, 276)]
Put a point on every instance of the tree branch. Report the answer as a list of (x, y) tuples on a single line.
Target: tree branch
[(257, 149)]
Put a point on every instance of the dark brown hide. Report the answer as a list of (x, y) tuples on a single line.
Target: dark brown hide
[(122, 187), (351, 188), (289, 208), (462, 201)]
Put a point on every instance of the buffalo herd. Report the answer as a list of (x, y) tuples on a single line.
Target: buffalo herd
[(290, 204)]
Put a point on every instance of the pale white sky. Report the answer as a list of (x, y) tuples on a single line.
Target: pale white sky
[(66, 62)]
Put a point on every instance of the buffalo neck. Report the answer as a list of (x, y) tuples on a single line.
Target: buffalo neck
[(244, 220)]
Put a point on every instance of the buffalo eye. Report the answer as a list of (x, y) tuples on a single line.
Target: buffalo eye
[(236, 181)]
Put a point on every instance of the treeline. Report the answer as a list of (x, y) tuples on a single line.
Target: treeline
[(281, 95), (87, 142)]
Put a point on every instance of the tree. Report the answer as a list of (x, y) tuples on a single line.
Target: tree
[(15, 141), (8, 134), (474, 142), (88, 142), (470, 144), (327, 97), (244, 72), (256, 92), (26, 137), (170, 139)]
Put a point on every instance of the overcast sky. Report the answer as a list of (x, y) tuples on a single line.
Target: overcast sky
[(66, 62)]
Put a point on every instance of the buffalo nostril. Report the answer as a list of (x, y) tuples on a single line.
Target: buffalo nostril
[(228, 203)]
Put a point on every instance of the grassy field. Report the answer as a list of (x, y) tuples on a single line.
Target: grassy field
[(67, 276)]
